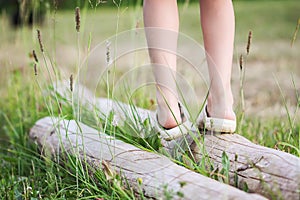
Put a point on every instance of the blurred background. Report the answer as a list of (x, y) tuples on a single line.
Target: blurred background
[(273, 64)]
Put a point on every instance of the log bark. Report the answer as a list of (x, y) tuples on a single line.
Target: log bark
[(266, 171), (156, 171)]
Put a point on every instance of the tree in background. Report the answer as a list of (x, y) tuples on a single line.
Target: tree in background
[(24, 12)]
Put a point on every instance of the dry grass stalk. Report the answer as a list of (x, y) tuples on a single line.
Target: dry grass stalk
[(295, 33), (40, 40), (137, 25), (59, 108), (77, 18), (108, 171), (249, 42)]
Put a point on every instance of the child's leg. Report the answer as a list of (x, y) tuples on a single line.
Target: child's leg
[(163, 14), (217, 20)]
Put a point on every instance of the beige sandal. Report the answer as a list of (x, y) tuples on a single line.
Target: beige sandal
[(205, 122), (178, 131)]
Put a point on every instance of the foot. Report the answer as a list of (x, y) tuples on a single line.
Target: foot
[(169, 116), (218, 115), (220, 111), (222, 122), (220, 105), (176, 128)]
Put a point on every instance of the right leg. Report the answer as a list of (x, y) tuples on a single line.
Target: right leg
[(217, 20), (162, 24)]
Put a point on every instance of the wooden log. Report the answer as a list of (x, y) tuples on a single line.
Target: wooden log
[(266, 171), (155, 171)]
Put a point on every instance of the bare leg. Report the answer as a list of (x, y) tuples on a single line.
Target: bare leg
[(163, 15), (217, 20)]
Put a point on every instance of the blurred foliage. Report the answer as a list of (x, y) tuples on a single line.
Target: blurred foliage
[(64, 4)]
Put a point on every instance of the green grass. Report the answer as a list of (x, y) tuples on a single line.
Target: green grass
[(269, 20), (26, 174)]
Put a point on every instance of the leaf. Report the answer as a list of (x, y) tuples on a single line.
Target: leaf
[(226, 166), (109, 173), (225, 160)]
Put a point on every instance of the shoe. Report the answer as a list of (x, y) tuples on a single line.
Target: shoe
[(205, 122), (180, 130)]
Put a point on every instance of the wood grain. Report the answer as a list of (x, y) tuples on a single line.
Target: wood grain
[(156, 171)]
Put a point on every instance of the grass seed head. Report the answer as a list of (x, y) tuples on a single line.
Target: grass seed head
[(241, 62), (40, 40), (35, 69), (108, 52), (77, 18), (249, 41), (34, 56), (71, 82)]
